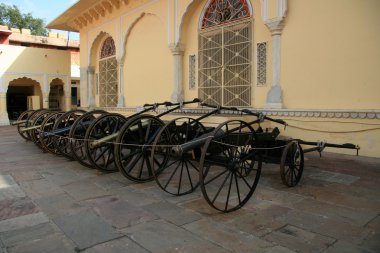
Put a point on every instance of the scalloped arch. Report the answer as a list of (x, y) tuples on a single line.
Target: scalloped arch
[(98, 39), (129, 30), (194, 4)]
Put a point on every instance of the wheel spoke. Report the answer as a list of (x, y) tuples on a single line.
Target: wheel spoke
[(171, 176), (221, 187)]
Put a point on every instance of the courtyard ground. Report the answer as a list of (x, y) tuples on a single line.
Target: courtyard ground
[(50, 204)]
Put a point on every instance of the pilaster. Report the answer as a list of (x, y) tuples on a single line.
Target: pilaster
[(121, 100), (177, 52), (274, 96), (4, 119), (90, 91)]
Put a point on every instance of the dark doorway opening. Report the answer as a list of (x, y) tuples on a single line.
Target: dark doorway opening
[(17, 100)]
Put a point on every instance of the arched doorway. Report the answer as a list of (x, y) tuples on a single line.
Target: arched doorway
[(56, 98), (17, 96)]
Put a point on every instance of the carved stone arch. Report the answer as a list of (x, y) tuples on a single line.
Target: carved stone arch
[(129, 30), (192, 6), (56, 93), (26, 86), (247, 4), (96, 46)]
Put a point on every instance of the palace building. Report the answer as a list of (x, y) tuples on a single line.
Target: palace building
[(36, 72), (312, 63)]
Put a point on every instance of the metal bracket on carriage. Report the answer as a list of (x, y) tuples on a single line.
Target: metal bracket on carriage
[(321, 146)]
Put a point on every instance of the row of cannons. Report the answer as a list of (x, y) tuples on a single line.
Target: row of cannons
[(180, 155)]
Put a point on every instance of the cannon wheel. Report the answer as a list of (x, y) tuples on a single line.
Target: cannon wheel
[(48, 142), (103, 157), (177, 174), (229, 168), (134, 145), (35, 133), (24, 116), (66, 120), (29, 121), (291, 165), (77, 136)]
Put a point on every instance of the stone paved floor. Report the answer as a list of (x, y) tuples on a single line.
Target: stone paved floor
[(49, 204)]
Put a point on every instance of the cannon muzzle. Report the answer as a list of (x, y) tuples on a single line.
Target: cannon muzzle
[(26, 129), (181, 149), (19, 122)]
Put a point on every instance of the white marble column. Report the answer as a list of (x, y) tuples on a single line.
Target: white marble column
[(121, 100), (83, 88), (177, 51), (45, 92), (90, 90), (274, 96), (4, 120)]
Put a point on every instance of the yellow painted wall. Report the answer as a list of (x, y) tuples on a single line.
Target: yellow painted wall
[(18, 62), (148, 63), (330, 57), (34, 60), (331, 54)]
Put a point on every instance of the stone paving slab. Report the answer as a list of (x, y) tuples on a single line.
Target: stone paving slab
[(227, 237), (50, 204), (11, 208), (347, 247), (299, 239), (172, 213), (53, 243), (119, 213), (123, 244), (86, 229), (161, 236), (58, 205), (23, 221), (24, 235)]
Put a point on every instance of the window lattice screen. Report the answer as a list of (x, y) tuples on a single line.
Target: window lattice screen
[(108, 82), (261, 63), (225, 64)]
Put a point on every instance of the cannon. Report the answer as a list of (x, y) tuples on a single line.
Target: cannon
[(177, 172), (77, 135), (134, 144), (23, 121), (229, 160), (102, 133)]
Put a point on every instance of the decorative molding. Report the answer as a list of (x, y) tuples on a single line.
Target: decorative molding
[(299, 113), (275, 26)]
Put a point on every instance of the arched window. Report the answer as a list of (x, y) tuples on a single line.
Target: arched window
[(108, 77), (225, 46)]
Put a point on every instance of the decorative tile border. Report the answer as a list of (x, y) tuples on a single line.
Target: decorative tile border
[(345, 114)]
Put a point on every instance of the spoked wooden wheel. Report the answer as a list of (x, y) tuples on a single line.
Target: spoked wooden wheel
[(24, 117), (62, 128), (77, 136), (177, 173), (292, 162), (102, 156), (134, 146), (29, 121), (229, 168), (37, 122), (48, 141)]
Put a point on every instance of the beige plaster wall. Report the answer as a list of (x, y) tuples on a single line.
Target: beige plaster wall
[(331, 54)]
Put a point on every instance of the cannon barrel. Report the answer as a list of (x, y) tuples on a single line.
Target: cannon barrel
[(97, 143), (19, 122), (34, 127), (195, 143), (111, 137)]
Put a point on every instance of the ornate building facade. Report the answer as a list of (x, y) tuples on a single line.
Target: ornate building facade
[(313, 63)]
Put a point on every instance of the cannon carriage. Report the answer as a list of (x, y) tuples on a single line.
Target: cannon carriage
[(225, 161)]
